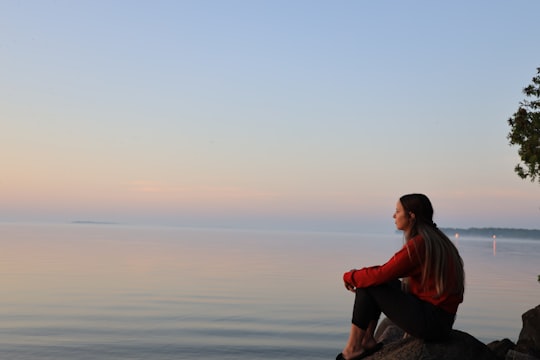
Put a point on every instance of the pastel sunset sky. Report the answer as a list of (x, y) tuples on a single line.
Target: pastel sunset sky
[(274, 114)]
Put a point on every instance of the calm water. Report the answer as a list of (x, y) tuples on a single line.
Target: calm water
[(112, 292)]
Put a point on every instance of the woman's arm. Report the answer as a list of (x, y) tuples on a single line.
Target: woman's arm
[(404, 263)]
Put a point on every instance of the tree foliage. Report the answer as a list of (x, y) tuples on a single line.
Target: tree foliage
[(525, 131)]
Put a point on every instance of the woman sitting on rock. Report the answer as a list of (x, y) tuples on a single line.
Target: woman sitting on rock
[(425, 301)]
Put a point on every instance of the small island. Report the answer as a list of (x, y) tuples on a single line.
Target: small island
[(492, 232)]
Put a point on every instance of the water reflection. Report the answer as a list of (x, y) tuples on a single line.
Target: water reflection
[(164, 291)]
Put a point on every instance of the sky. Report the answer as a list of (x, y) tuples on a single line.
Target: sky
[(269, 114)]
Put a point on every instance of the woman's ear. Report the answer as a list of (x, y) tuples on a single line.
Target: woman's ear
[(411, 215)]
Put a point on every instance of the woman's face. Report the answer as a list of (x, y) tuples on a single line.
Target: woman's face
[(402, 218)]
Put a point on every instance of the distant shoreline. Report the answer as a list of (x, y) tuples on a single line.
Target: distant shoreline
[(486, 232), (493, 232)]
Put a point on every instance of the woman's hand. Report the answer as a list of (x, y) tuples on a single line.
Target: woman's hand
[(348, 285)]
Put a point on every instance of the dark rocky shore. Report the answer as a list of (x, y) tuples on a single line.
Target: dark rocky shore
[(460, 345)]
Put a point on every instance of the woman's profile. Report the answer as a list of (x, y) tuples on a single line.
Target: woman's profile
[(419, 289)]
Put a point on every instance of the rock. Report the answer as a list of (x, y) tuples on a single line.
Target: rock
[(460, 345), (514, 355), (501, 347), (398, 346), (529, 337), (388, 332)]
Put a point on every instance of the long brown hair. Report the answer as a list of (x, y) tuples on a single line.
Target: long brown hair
[(442, 258)]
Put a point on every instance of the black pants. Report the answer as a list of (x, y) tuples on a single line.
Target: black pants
[(416, 317)]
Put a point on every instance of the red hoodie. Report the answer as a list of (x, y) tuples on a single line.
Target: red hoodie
[(408, 262)]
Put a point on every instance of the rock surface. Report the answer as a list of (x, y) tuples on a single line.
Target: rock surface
[(460, 345), (529, 337), (514, 355), (501, 347)]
